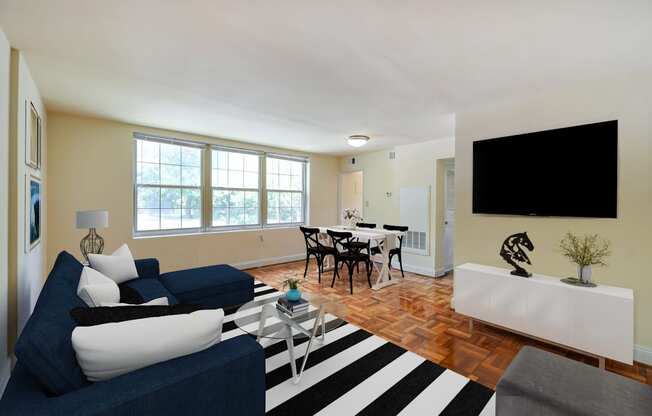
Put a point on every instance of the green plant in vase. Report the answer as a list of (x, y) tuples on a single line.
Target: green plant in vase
[(293, 284), (587, 251)]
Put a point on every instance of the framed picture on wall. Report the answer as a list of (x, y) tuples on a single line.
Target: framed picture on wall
[(32, 136), (32, 212)]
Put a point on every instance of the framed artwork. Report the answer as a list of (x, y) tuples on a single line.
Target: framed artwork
[(33, 212), (32, 136)]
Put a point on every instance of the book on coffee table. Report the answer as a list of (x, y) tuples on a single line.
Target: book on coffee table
[(292, 307)]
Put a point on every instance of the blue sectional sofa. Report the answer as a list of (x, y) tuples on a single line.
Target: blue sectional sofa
[(226, 379)]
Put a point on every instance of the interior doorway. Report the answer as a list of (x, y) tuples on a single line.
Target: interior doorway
[(445, 217), (350, 195)]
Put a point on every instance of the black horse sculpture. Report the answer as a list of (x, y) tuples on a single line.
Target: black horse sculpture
[(512, 252)]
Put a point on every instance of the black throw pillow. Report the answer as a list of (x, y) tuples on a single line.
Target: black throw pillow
[(129, 295), (105, 314)]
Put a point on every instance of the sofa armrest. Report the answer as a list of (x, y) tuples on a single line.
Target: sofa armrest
[(226, 379), (148, 268)]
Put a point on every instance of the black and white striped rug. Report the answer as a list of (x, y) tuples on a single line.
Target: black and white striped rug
[(354, 372)]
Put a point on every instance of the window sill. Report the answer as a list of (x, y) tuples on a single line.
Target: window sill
[(209, 232)]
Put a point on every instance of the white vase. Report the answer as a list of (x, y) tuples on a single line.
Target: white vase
[(584, 273)]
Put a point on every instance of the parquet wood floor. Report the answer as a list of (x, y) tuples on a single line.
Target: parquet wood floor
[(416, 315)]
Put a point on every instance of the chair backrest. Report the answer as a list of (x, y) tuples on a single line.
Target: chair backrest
[(401, 228), (365, 225), (341, 239), (310, 236)]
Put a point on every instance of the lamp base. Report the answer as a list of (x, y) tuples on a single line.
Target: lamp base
[(91, 244)]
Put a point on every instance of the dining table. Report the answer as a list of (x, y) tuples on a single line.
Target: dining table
[(386, 240)]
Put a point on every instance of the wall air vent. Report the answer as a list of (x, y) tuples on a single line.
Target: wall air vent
[(392, 155), (416, 240)]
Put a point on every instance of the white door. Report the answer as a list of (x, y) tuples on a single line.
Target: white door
[(350, 192), (449, 218)]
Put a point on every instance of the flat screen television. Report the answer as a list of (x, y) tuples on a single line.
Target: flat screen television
[(567, 172)]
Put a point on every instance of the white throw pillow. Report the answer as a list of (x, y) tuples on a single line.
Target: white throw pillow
[(154, 302), (110, 350), (119, 266), (94, 288)]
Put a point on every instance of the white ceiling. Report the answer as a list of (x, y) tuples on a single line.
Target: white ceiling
[(305, 74)]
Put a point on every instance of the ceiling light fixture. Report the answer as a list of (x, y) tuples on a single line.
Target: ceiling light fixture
[(357, 140)]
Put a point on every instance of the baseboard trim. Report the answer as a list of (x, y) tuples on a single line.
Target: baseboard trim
[(5, 373), (424, 271), (251, 264), (643, 354)]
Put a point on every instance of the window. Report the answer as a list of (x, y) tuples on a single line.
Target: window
[(168, 186), (235, 179), (285, 190), (185, 187)]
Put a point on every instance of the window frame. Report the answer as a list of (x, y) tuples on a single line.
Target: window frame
[(304, 189), (212, 188), (136, 185), (207, 189)]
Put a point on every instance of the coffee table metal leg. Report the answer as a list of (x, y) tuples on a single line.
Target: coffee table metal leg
[(290, 343), (320, 319)]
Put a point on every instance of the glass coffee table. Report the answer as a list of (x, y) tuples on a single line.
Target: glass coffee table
[(261, 319)]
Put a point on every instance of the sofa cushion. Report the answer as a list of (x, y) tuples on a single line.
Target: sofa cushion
[(195, 285), (148, 268), (150, 289), (44, 347), (106, 314)]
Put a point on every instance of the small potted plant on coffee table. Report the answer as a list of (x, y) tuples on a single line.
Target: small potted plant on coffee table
[(294, 293), (587, 251)]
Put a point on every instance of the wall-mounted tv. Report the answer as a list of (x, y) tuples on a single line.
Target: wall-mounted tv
[(567, 172)]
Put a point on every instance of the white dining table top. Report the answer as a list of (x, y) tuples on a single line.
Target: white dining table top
[(366, 233)]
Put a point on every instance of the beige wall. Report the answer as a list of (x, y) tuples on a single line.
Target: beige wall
[(26, 266), (478, 237), (91, 163), (5, 65), (414, 166)]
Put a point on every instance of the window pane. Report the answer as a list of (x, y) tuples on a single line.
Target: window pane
[(190, 176), (285, 215), (251, 200), (236, 216), (272, 165), (170, 219), (250, 180), (191, 198), (170, 154), (235, 179), (236, 199), (222, 160), (272, 199), (170, 175), (190, 156), (148, 197), (272, 215), (150, 152), (148, 219), (297, 199), (284, 181), (191, 218), (272, 181), (284, 167), (251, 163), (220, 199), (251, 216), (285, 199), (170, 198), (296, 168), (222, 178), (236, 161), (150, 174), (220, 216), (296, 183)]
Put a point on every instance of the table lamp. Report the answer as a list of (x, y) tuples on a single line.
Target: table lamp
[(92, 243)]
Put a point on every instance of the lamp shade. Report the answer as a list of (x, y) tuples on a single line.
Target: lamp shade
[(93, 219)]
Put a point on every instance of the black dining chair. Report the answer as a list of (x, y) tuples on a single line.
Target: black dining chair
[(349, 255), (362, 245), (315, 248), (396, 251), (365, 225)]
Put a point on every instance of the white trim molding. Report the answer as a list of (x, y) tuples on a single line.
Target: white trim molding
[(424, 271), (643, 354), (251, 264)]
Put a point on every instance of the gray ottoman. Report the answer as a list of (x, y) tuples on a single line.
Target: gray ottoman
[(540, 383)]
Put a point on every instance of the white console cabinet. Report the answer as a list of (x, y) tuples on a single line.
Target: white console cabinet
[(598, 321)]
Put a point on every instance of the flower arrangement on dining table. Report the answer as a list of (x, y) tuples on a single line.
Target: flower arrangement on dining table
[(351, 216)]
